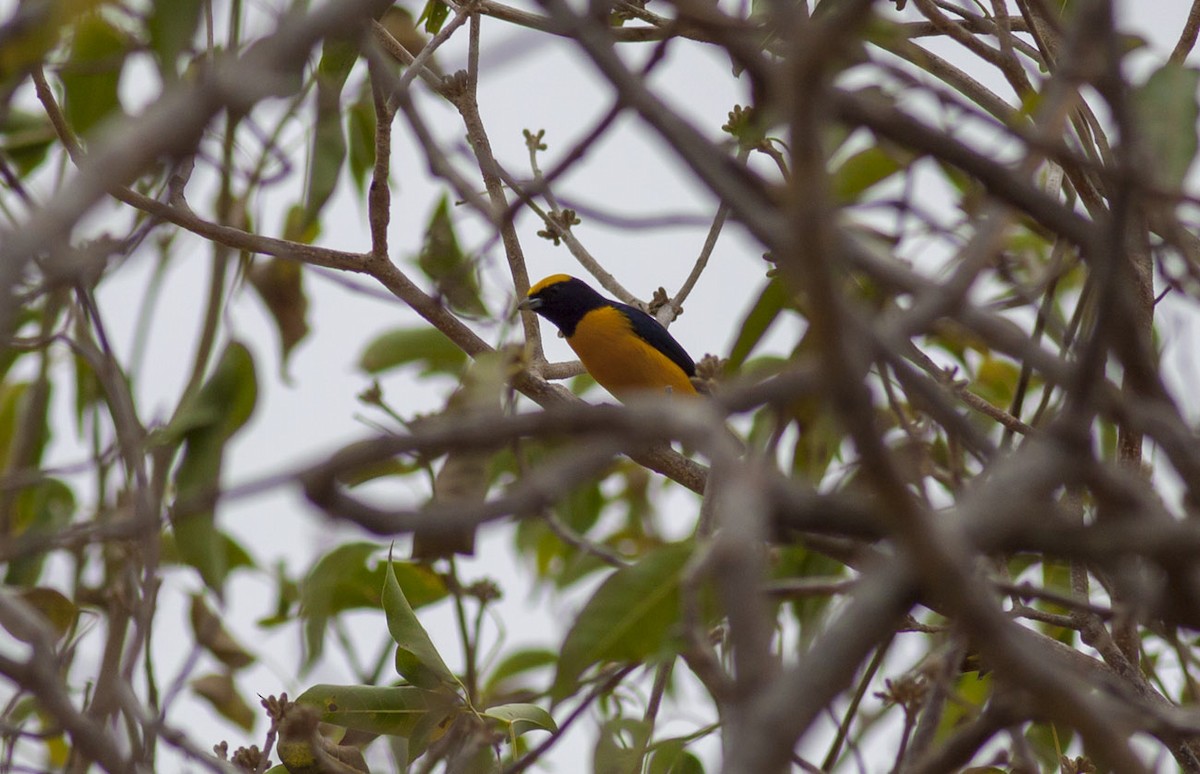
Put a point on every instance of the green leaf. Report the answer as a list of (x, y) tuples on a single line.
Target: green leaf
[(343, 580), (518, 663), (630, 617), (618, 746), (92, 73), (339, 580), (286, 596), (672, 757), (298, 227), (280, 284), (762, 315), (88, 390), (795, 561), (427, 346), (59, 611), (819, 437), (1048, 741), (360, 129), (25, 138), (996, 380), (417, 660), (172, 26), (861, 171), (10, 402), (26, 44), (434, 15), (444, 262), (42, 509), (236, 555), (219, 691), (327, 153), (1167, 114), (212, 635), (225, 402), (221, 407), (520, 718), (394, 711)]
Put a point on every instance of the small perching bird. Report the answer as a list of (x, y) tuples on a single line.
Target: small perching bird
[(624, 349)]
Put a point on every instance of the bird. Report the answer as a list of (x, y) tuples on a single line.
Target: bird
[(624, 349)]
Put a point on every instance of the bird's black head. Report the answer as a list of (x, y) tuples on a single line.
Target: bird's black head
[(563, 300)]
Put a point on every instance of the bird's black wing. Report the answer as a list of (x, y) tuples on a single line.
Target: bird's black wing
[(652, 332)]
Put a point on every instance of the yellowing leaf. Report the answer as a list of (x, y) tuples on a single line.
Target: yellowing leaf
[(220, 691), (396, 711), (280, 284)]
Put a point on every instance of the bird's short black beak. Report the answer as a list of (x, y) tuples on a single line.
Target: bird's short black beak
[(530, 304)]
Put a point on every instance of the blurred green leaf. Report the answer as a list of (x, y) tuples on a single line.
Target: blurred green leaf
[(360, 129), (225, 402), (762, 314), (518, 663), (10, 402), (219, 409), (863, 170), (339, 580), (581, 509), (434, 16), (327, 153), (212, 635), (31, 32), (819, 437), (236, 555), (88, 390), (426, 346), (417, 658), (630, 617), (1048, 741), (280, 284), (287, 594), (59, 611), (618, 745), (41, 510), (220, 691), (92, 72), (996, 380), (795, 561), (395, 711), (25, 138), (344, 579), (819, 434), (172, 26), (971, 691), (1167, 114), (672, 757), (444, 262), (298, 227)]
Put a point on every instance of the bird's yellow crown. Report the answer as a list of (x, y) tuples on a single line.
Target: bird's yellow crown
[(553, 279)]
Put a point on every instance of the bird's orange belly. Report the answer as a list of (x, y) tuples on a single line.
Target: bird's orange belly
[(621, 361)]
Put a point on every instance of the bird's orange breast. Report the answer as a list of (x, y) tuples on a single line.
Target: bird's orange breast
[(620, 360)]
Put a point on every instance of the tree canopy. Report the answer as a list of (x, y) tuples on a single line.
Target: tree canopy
[(938, 510)]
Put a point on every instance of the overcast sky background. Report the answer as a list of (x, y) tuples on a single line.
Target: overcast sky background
[(528, 81)]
